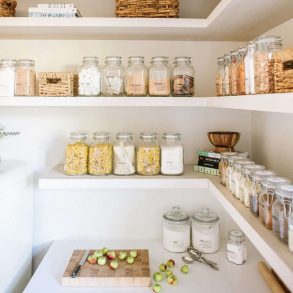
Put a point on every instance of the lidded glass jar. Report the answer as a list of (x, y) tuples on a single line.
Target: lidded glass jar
[(89, 77), (172, 154), (249, 69), (233, 72), (159, 77), (236, 248), (25, 78), (223, 164), (7, 77), (176, 230), (112, 77), (100, 154), (229, 171), (182, 77), (76, 157), (220, 77), (148, 154), (241, 71), (226, 82), (290, 233), (124, 154), (136, 77)]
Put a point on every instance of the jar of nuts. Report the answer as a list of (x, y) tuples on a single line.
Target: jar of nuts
[(25, 78)]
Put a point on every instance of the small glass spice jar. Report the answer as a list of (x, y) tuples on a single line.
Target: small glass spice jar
[(249, 69), (236, 248), (223, 164), (7, 77), (290, 232), (233, 72), (241, 71), (226, 82), (25, 78), (230, 169), (220, 77), (182, 77), (176, 230)]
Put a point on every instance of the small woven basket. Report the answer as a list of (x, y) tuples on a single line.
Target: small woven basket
[(7, 8), (147, 8)]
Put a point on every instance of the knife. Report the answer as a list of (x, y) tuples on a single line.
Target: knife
[(81, 263)]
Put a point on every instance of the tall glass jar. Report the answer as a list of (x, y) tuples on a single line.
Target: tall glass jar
[(25, 78), (112, 77), (89, 77), (124, 154), (159, 77), (241, 71), (226, 82), (249, 69), (264, 63), (148, 154), (182, 77), (76, 157), (136, 77), (223, 164), (7, 77), (290, 232), (229, 171), (100, 154), (236, 248), (220, 77), (233, 72)]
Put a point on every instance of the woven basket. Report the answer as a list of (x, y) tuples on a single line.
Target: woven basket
[(7, 8), (58, 84), (147, 8)]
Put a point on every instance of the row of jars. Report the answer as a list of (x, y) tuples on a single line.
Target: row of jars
[(101, 157), (268, 196), (248, 70)]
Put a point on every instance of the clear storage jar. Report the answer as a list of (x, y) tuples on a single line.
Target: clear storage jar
[(226, 82), (7, 77), (233, 72), (236, 248), (159, 77), (124, 154), (290, 233), (182, 77), (136, 77), (249, 69), (176, 230), (220, 77), (89, 77), (148, 154), (100, 154), (223, 164), (241, 71), (229, 171), (112, 77), (25, 78), (76, 157)]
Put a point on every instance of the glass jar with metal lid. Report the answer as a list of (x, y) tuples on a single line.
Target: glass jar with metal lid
[(176, 230), (229, 170), (241, 71), (223, 164), (249, 69), (226, 82), (220, 77), (290, 232), (25, 78), (233, 72), (206, 231), (236, 248), (7, 77), (267, 198)]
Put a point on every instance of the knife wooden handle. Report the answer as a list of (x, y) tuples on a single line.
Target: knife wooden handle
[(75, 271)]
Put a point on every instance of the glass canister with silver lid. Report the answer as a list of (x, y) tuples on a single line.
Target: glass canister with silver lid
[(7, 77), (236, 248), (223, 165)]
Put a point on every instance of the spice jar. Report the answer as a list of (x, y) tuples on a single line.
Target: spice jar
[(229, 170), (148, 155), (159, 77), (124, 154), (172, 154), (236, 248), (136, 77), (226, 82), (206, 231), (220, 77), (249, 69), (223, 164), (25, 78), (89, 77), (7, 77), (182, 77), (100, 154), (290, 233), (241, 71), (112, 77), (176, 230), (233, 72), (76, 158), (282, 209), (267, 198)]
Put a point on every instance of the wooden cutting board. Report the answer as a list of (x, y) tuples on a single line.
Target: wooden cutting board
[(94, 275)]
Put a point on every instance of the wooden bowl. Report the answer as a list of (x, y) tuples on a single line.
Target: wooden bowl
[(224, 141)]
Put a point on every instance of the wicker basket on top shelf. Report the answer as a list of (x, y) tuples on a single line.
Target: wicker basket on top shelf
[(7, 8), (147, 8)]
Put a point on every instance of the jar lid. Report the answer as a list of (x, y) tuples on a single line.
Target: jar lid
[(285, 191), (160, 58), (242, 163), (90, 59), (182, 59), (176, 215), (225, 155), (236, 236), (148, 135), (227, 56), (101, 134), (234, 53), (274, 181), (220, 60), (136, 58), (259, 174), (124, 135), (26, 62), (251, 168), (251, 45), (267, 39), (242, 50), (8, 61), (205, 215), (233, 159), (78, 135), (173, 135)]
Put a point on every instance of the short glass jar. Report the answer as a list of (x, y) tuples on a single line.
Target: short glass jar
[(176, 230), (241, 71), (25, 78), (226, 82), (7, 77), (290, 233), (182, 77), (249, 69), (220, 77), (223, 164), (233, 72), (76, 157), (236, 248), (229, 171)]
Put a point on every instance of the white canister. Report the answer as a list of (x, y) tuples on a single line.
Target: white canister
[(176, 230), (206, 231)]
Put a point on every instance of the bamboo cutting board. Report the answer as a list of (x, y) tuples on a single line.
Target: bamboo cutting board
[(94, 275)]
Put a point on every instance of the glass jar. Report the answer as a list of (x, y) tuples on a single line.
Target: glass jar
[(101, 154), (249, 69), (236, 248), (206, 231), (256, 189), (124, 154), (76, 157), (241, 71), (233, 72), (159, 77), (264, 63), (25, 78), (7, 77), (112, 77), (136, 77), (176, 230), (223, 164), (229, 170), (148, 154), (267, 198), (226, 82), (89, 77), (172, 154), (282, 209), (182, 77), (290, 233), (220, 77)]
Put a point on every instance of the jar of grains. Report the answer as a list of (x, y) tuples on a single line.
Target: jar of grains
[(229, 171), (148, 154), (25, 78), (112, 77), (7, 77), (264, 63), (159, 77), (226, 82), (182, 77), (236, 248), (223, 164), (76, 158), (249, 69), (136, 77), (241, 71), (220, 77), (89, 77), (233, 72)]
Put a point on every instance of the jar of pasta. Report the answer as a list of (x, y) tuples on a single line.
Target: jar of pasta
[(220, 77), (241, 71), (148, 154), (25, 78), (233, 72), (226, 82)]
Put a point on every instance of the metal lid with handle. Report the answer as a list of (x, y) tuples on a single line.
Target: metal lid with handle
[(205, 215)]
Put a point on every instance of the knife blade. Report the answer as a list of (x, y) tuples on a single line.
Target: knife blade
[(80, 264)]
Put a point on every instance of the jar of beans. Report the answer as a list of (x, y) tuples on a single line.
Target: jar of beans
[(25, 78)]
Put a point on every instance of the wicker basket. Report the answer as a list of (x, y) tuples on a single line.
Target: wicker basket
[(147, 8), (7, 8), (58, 84)]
